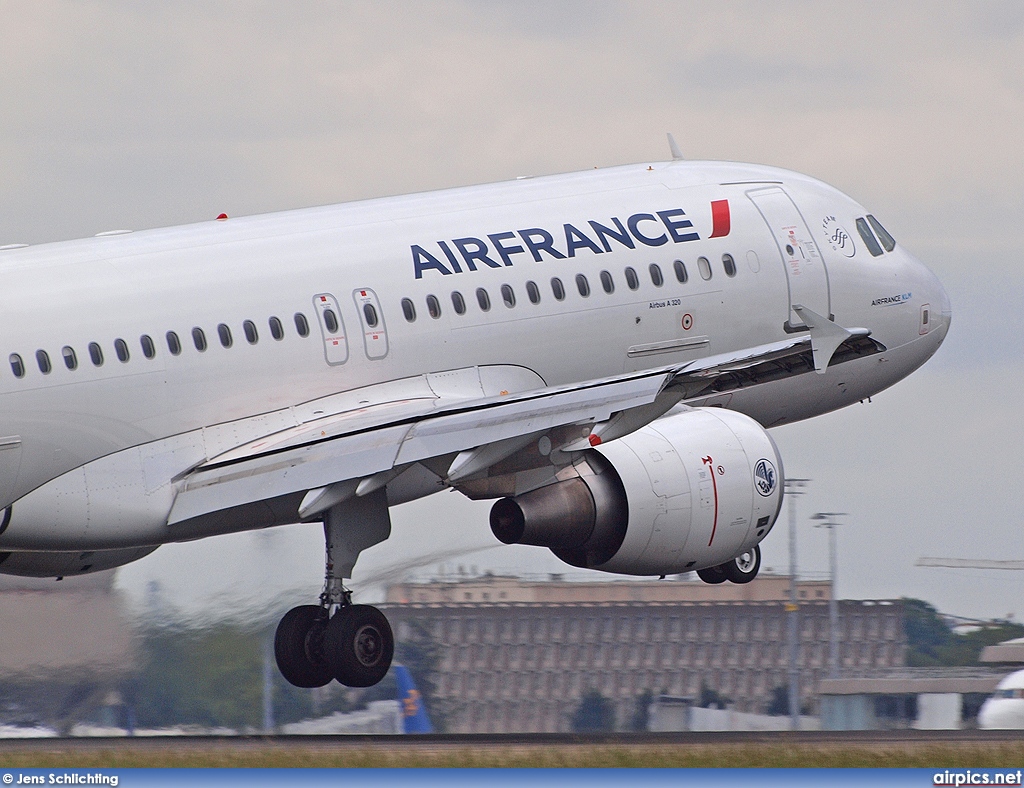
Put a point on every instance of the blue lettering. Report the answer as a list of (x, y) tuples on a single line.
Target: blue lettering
[(632, 223), (574, 240), (469, 254), (451, 258), (603, 233), (675, 225), (505, 251), (423, 260), (546, 243)]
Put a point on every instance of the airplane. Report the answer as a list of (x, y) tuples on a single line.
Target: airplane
[(602, 352), (1005, 709)]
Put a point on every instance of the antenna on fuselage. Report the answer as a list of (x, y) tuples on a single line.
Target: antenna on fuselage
[(677, 155)]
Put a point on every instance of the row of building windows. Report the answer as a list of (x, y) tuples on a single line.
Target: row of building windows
[(558, 290), (541, 630), (149, 349)]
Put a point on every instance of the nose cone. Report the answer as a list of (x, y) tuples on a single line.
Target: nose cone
[(939, 299)]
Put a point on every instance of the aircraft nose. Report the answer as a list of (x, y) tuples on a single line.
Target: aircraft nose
[(940, 310), (945, 307)]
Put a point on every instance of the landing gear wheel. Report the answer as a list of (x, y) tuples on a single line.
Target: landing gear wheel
[(298, 647), (713, 575), (359, 645), (743, 568)]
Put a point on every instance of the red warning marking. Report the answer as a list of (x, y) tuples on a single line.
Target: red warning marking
[(714, 486), (222, 217), (595, 440), (720, 219), (687, 321)]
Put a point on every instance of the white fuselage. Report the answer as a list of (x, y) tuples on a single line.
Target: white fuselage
[(1005, 709), (125, 430)]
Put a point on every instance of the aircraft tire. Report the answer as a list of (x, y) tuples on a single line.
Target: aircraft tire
[(297, 647), (743, 568), (713, 575), (359, 645)]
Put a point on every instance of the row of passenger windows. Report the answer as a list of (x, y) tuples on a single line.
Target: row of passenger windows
[(533, 293), (149, 348)]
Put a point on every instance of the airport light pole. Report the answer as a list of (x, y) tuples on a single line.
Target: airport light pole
[(828, 520), (793, 488)]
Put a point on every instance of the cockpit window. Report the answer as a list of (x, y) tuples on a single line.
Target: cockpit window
[(868, 237), (883, 235)]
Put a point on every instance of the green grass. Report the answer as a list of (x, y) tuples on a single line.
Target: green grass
[(847, 754)]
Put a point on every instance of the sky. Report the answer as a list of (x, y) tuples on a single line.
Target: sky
[(119, 115)]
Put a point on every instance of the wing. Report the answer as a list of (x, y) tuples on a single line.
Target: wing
[(452, 439)]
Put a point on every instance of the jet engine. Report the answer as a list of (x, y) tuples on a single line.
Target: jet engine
[(693, 490)]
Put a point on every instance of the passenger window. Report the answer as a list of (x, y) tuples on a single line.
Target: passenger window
[(301, 325), (331, 321), (607, 282), (458, 303), (729, 265), (632, 280), (224, 333), (276, 329), (173, 343), (121, 349), (43, 359), (483, 299), (508, 295), (533, 292), (704, 267), (371, 315), (148, 348), (680, 268), (656, 276), (869, 238), (96, 354), (433, 307), (582, 285), (883, 235), (70, 359), (557, 289), (408, 309), (199, 339), (17, 365), (251, 336)]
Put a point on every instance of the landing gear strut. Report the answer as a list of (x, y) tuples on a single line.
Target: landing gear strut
[(741, 569), (336, 639)]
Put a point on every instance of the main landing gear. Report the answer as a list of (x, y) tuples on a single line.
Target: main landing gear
[(741, 569), (336, 639)]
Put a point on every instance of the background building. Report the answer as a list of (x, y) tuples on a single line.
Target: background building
[(66, 648), (518, 656)]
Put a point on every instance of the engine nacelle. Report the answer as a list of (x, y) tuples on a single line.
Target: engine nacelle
[(693, 490)]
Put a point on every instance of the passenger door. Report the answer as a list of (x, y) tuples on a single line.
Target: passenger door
[(805, 268)]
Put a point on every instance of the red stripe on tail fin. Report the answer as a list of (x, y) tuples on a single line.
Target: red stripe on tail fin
[(720, 221)]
